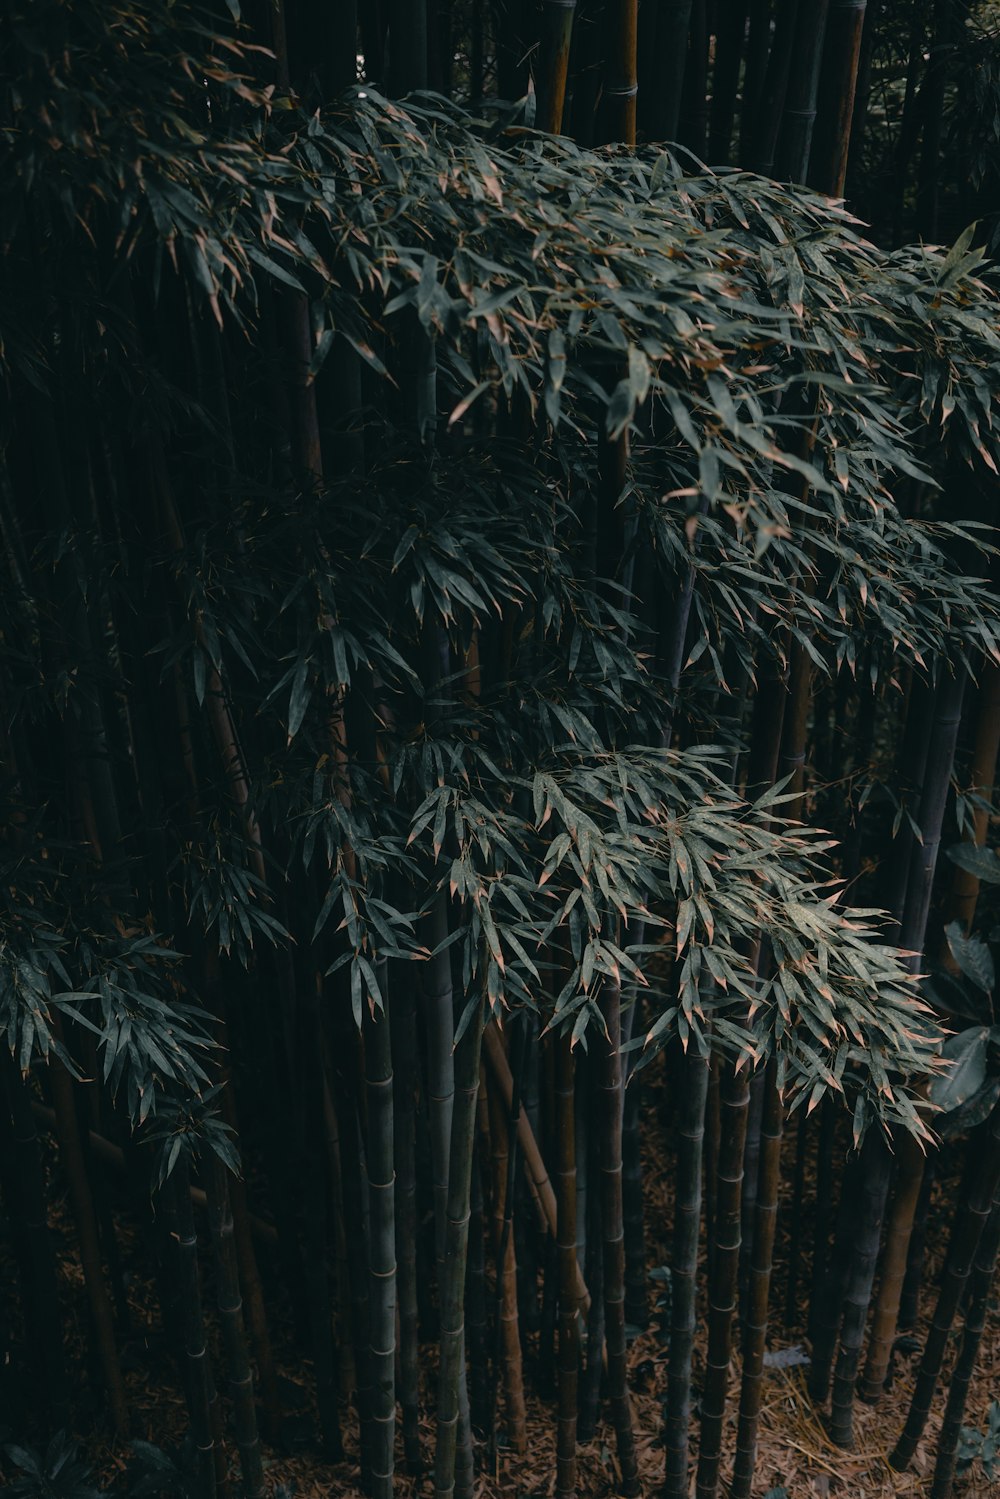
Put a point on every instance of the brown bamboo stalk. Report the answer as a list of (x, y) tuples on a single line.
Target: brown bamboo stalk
[(621, 85), (553, 63), (909, 1175)]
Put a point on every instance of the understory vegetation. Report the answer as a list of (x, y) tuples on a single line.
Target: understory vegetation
[(500, 659)]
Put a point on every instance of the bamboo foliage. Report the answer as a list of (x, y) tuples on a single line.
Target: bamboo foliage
[(402, 724)]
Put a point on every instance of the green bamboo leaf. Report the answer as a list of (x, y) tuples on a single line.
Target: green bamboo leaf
[(967, 1054), (972, 956)]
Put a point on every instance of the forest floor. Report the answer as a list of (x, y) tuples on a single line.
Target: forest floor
[(796, 1459)]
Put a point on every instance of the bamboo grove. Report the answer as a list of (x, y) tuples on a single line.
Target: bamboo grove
[(500, 658)]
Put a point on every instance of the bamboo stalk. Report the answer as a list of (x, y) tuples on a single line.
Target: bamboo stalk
[(734, 1101), (687, 1224), (28, 1210), (612, 1084), (569, 1300), (451, 1375), (199, 1374), (496, 1060), (755, 1325), (553, 65), (838, 88), (909, 1303), (795, 138), (968, 1353), (909, 1177), (795, 1226), (241, 1383), (962, 1250), (828, 1294), (758, 153), (621, 86), (673, 22), (858, 1289), (404, 1073), (71, 1151), (503, 1135), (476, 1312), (382, 1239)]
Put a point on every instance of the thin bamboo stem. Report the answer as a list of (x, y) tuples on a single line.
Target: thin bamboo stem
[(755, 1326), (569, 1300), (612, 1084), (451, 1369), (376, 1030), (683, 1310)]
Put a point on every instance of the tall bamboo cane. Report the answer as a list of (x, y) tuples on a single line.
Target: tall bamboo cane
[(81, 1198), (755, 1325), (382, 1241), (451, 1370), (241, 1384), (838, 86), (199, 1374), (962, 1250), (795, 139), (503, 1137), (758, 149), (961, 1376), (569, 1301), (909, 1176), (404, 1075), (858, 1289), (621, 85), (30, 1213), (684, 1270), (734, 1100), (553, 63), (673, 22), (612, 1083)]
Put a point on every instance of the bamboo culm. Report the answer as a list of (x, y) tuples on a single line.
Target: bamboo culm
[(723, 1285), (241, 1382), (909, 1177), (962, 1249), (612, 1083), (376, 1031), (198, 1370), (968, 1353), (687, 1223), (404, 1076), (569, 1301), (451, 1374), (877, 1163), (759, 1287)]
